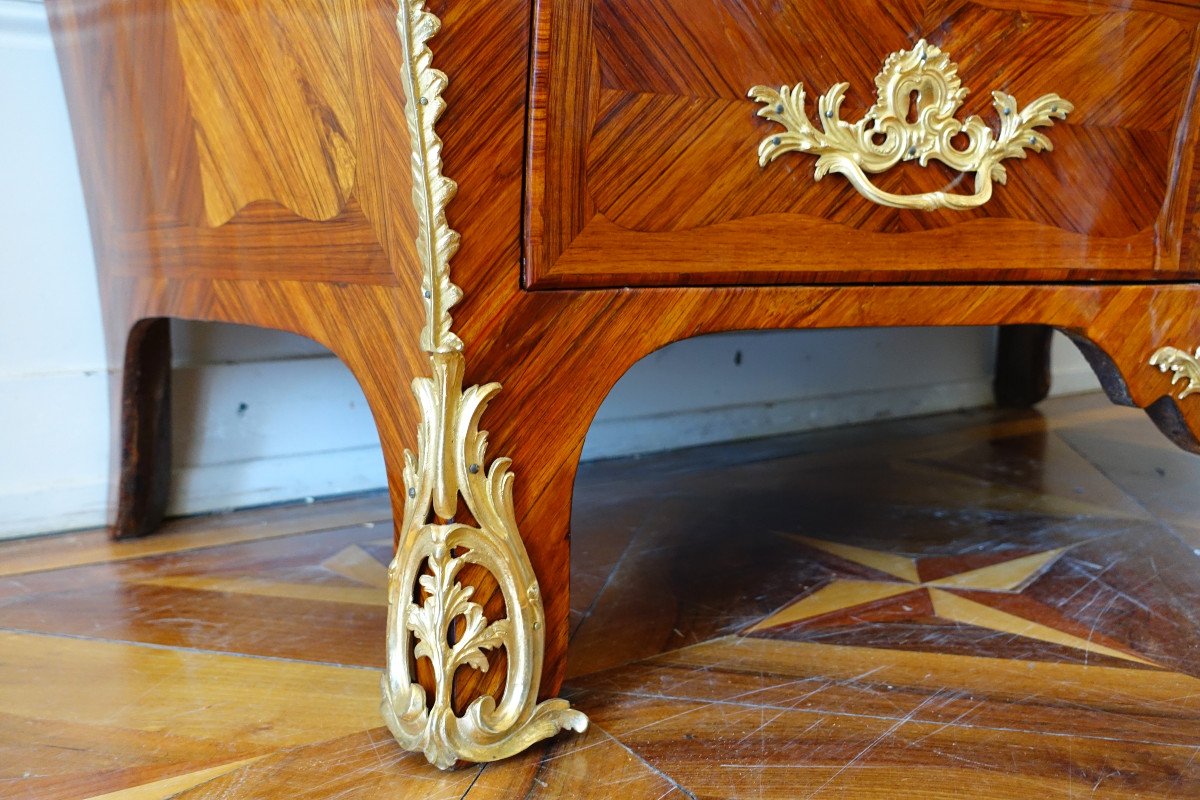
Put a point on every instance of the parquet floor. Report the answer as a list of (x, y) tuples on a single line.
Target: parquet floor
[(973, 605)]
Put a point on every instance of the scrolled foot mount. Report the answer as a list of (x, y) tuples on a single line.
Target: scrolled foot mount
[(449, 463)]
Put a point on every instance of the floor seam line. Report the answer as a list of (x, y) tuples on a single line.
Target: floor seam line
[(607, 581), (649, 766), (1154, 519), (177, 649), (122, 559), (881, 718)]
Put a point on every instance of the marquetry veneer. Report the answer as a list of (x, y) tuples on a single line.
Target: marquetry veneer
[(260, 162)]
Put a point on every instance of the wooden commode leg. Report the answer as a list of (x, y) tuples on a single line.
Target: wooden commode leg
[(141, 405), (459, 516), (1022, 365)]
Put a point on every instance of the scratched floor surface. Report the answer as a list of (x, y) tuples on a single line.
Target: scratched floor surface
[(970, 605)]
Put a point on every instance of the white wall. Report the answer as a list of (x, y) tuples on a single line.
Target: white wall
[(262, 416), (53, 395), (742, 385)]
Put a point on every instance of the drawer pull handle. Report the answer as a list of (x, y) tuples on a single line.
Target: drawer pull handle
[(885, 136)]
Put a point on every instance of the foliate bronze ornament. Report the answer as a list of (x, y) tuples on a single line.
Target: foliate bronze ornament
[(885, 136), (450, 462), (431, 615), (1185, 366), (432, 191)]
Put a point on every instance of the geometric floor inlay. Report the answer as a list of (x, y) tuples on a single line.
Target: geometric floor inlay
[(955, 597)]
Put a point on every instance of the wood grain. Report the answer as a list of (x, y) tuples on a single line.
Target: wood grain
[(147, 83), (114, 711), (300, 148)]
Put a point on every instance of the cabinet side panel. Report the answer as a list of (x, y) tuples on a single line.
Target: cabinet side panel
[(227, 139)]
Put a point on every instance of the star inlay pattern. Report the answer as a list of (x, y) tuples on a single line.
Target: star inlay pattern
[(953, 597)]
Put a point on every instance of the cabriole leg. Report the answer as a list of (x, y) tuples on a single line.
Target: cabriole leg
[(1147, 354)]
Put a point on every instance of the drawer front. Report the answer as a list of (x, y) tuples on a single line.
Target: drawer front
[(644, 163)]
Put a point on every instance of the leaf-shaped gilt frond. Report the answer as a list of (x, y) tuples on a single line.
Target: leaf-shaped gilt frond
[(476, 637), (1019, 129), (432, 191), (445, 599), (422, 621), (410, 470), (838, 136), (474, 402), (500, 487), (786, 107), (431, 621), (1185, 366)]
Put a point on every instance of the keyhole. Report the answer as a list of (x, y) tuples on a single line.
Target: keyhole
[(914, 100)]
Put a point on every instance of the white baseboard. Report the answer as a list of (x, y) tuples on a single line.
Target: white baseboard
[(53, 451), (23, 25), (196, 490), (245, 434), (220, 487), (47, 509), (1071, 373), (640, 435)]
